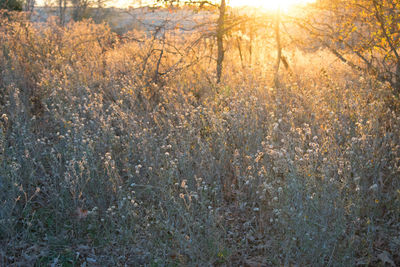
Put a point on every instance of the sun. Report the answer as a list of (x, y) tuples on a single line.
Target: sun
[(283, 5)]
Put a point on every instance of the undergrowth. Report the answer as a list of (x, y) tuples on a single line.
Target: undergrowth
[(106, 159)]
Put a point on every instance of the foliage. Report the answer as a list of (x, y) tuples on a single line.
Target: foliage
[(111, 154), (364, 34), (15, 5)]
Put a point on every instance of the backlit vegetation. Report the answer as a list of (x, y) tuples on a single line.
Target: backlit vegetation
[(122, 150)]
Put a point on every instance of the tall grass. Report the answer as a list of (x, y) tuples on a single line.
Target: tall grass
[(103, 164)]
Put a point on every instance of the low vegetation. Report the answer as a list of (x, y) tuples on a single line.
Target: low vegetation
[(115, 153)]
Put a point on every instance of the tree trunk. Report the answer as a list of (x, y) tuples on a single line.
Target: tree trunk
[(29, 6), (278, 47), (62, 5), (397, 80), (251, 48), (240, 52), (220, 39)]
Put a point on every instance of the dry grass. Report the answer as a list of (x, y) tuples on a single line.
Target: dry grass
[(101, 164)]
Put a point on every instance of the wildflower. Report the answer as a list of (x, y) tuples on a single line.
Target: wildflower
[(298, 150), (4, 117), (183, 183), (374, 187)]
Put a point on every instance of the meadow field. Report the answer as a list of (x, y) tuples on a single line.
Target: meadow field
[(123, 150)]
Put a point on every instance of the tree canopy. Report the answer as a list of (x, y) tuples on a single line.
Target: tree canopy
[(364, 34), (11, 5)]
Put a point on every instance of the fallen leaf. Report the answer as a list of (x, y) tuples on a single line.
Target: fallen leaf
[(82, 213)]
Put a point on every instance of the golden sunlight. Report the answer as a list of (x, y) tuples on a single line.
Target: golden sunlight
[(283, 5)]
